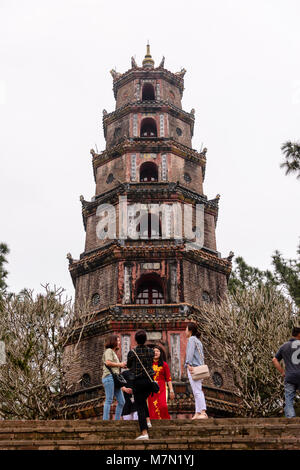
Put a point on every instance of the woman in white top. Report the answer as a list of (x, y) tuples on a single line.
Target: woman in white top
[(195, 358), (111, 359)]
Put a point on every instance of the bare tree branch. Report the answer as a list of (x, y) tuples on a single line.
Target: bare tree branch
[(35, 330)]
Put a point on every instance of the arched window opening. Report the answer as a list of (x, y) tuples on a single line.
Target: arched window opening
[(148, 172), (206, 297), (148, 128), (95, 299), (85, 380), (217, 379), (150, 291), (148, 92), (150, 226)]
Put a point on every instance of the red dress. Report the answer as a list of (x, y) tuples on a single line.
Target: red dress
[(157, 404)]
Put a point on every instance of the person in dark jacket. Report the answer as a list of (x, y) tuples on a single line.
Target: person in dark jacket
[(141, 384), (129, 410)]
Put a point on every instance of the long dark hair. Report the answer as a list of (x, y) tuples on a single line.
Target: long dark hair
[(194, 329), (162, 357)]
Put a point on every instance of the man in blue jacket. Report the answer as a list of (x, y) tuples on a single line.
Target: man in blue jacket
[(290, 353)]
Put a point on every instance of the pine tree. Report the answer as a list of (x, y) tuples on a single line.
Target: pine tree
[(287, 273), (291, 151), (245, 276), (3, 273)]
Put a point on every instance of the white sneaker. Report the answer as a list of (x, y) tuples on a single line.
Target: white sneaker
[(142, 436)]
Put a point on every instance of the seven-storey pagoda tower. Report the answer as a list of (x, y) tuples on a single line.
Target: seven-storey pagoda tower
[(137, 268)]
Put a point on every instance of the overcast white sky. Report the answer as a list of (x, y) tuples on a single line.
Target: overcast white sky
[(243, 79)]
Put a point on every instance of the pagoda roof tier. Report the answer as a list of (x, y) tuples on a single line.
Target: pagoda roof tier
[(120, 317), (148, 106), (148, 145), (86, 407), (151, 191), (120, 250), (135, 73)]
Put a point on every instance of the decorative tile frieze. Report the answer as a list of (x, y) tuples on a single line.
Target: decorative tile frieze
[(146, 156), (161, 125), (175, 356), (135, 125), (150, 266), (164, 168), (158, 91), (137, 91), (133, 168)]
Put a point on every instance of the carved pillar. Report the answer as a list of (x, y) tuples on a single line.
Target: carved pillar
[(125, 346), (135, 125), (175, 357), (164, 168), (127, 284), (133, 168), (161, 125), (173, 282)]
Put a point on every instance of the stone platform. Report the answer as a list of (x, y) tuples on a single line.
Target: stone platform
[(211, 434)]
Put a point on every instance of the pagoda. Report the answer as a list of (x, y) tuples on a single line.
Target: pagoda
[(150, 259)]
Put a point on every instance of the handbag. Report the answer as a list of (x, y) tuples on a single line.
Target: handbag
[(119, 380), (154, 385), (200, 372)]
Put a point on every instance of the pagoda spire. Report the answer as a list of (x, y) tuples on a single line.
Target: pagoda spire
[(148, 62)]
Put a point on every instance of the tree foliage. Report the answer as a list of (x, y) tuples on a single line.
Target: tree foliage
[(35, 330), (286, 276), (291, 151), (245, 276), (243, 332)]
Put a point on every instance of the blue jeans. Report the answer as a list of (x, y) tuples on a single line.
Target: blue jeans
[(110, 392), (290, 393)]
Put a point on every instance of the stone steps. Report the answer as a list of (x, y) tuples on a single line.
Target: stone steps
[(131, 432), (193, 443), (211, 434)]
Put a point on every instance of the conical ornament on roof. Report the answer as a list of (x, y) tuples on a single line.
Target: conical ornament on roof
[(148, 62)]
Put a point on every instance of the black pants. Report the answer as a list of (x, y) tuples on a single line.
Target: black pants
[(141, 391)]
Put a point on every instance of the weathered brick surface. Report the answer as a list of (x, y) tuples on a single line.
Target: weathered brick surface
[(125, 94), (103, 281), (242, 434), (86, 361), (109, 175), (176, 125), (117, 130), (198, 279)]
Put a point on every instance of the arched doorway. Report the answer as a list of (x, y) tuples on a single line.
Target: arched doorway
[(148, 128), (148, 172), (148, 92)]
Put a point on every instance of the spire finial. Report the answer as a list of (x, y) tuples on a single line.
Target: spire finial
[(148, 62)]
